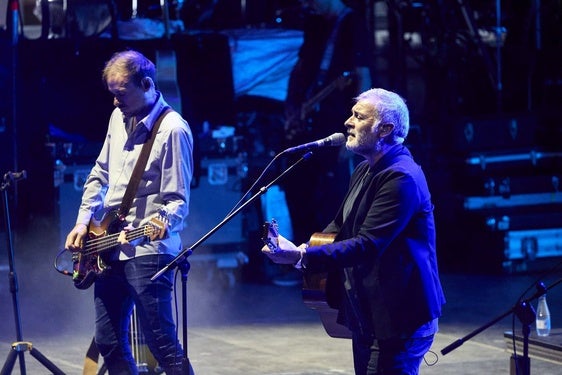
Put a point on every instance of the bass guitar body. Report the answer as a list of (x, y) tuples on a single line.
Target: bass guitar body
[(103, 236), (92, 260)]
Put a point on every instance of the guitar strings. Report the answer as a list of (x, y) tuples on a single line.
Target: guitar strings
[(107, 242)]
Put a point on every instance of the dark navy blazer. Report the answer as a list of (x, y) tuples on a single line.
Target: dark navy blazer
[(382, 267)]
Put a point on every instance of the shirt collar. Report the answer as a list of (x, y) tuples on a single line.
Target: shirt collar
[(151, 118)]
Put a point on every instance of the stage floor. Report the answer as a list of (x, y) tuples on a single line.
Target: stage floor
[(256, 328)]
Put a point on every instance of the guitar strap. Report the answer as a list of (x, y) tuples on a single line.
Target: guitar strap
[(330, 45), (140, 165)]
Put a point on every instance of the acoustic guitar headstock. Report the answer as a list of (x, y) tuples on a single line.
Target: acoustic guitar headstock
[(270, 234)]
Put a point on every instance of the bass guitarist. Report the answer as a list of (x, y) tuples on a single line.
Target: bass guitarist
[(382, 274), (333, 66), (141, 117)]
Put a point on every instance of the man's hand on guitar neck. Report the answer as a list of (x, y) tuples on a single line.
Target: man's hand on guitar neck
[(286, 252), (122, 238)]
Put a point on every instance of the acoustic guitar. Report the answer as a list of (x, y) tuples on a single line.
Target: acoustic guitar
[(314, 284)]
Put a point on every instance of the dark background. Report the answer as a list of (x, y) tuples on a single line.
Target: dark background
[(448, 76)]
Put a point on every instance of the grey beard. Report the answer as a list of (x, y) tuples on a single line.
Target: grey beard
[(378, 145)]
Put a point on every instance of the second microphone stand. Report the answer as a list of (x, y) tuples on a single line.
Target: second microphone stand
[(181, 260), (526, 314)]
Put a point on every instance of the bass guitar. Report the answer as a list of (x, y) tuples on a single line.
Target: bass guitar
[(314, 284), (300, 122), (103, 235)]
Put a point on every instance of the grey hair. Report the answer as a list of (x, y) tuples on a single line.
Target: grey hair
[(391, 109)]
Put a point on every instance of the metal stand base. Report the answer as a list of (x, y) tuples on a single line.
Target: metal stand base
[(18, 349), (519, 365)]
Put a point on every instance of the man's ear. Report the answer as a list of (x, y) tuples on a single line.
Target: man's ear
[(386, 129), (146, 83)]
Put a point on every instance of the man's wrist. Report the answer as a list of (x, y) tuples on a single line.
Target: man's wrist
[(300, 264)]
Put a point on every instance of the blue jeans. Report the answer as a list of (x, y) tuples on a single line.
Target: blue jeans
[(117, 289), (389, 357)]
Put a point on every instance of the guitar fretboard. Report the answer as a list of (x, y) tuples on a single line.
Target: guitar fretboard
[(99, 244)]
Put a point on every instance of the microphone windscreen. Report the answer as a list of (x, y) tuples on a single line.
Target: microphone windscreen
[(337, 139)]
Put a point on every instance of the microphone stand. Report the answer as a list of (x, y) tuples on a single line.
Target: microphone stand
[(526, 314), (184, 267), (186, 252), (19, 347), (181, 260)]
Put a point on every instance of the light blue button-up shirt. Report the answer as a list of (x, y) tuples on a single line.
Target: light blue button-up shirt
[(165, 184)]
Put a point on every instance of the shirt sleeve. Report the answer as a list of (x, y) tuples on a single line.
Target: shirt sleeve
[(177, 172)]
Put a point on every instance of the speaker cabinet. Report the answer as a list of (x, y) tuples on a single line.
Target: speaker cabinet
[(217, 192)]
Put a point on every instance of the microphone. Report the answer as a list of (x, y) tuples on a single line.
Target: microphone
[(15, 176), (336, 139)]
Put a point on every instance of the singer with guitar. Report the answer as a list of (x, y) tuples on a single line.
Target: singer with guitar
[(142, 175), (333, 66), (382, 273)]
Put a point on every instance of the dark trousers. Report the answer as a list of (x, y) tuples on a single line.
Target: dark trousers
[(116, 290), (389, 357)]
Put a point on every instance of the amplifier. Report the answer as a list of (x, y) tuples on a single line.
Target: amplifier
[(547, 348), (217, 192), (70, 180), (524, 248)]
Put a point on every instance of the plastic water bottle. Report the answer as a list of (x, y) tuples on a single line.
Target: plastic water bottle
[(543, 317)]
